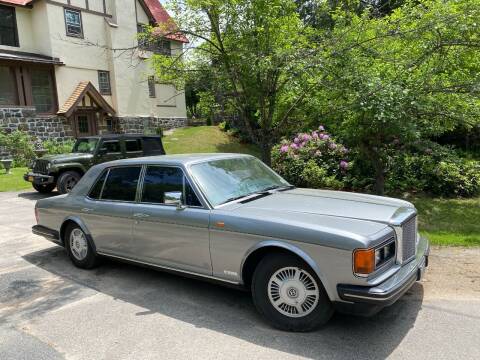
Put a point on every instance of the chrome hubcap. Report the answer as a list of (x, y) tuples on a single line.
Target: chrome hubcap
[(293, 292), (78, 244)]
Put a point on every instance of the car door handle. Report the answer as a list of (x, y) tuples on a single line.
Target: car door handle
[(87, 210), (140, 215)]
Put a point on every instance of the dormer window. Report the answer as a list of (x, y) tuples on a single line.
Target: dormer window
[(8, 26), (73, 23)]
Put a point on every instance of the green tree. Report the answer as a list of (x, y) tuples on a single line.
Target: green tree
[(258, 51), (400, 78)]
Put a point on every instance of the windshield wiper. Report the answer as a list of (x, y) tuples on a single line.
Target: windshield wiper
[(234, 198), (276, 187)]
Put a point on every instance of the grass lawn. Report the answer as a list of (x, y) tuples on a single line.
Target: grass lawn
[(205, 139), (13, 181), (450, 221)]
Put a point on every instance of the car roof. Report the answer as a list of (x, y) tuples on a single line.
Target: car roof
[(118, 136), (178, 159)]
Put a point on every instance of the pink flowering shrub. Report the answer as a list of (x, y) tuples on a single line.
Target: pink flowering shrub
[(313, 160)]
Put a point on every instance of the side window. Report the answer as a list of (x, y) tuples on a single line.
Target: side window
[(133, 145), (121, 183), (112, 146), (73, 23), (96, 190), (160, 181)]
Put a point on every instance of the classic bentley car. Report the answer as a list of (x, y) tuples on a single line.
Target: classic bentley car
[(229, 218)]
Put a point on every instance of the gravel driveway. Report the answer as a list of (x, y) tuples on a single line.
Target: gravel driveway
[(51, 310)]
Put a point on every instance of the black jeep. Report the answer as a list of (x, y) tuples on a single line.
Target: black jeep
[(63, 171)]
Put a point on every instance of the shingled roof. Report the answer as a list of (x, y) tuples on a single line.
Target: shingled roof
[(83, 88), (16, 2)]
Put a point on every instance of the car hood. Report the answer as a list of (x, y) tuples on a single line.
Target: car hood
[(70, 157), (332, 203)]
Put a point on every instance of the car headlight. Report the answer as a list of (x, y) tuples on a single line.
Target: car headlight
[(366, 261)]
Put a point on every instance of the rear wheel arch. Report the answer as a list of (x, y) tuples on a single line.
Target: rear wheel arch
[(79, 223), (261, 250)]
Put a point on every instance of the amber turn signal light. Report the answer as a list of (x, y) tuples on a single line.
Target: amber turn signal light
[(364, 261)]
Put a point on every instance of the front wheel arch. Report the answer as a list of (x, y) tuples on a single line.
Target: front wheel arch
[(260, 250)]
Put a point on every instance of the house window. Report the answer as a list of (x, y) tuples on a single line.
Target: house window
[(73, 23), (158, 46), (151, 86), (8, 26), (104, 83), (43, 90), (8, 86)]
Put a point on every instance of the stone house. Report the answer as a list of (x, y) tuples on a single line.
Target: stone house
[(72, 68)]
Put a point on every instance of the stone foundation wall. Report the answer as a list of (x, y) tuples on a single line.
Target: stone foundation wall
[(54, 127), (42, 127), (147, 125)]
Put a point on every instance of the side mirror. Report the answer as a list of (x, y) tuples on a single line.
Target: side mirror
[(102, 151), (174, 198)]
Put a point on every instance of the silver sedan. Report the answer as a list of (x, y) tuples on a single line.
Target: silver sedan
[(229, 218)]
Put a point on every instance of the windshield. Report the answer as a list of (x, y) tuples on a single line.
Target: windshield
[(85, 145), (227, 179)]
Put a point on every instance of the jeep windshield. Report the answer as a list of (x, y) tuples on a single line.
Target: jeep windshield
[(85, 145)]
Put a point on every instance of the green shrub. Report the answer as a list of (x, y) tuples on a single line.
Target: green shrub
[(224, 126), (20, 145), (312, 160), (58, 147), (434, 169)]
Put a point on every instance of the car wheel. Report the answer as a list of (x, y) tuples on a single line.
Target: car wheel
[(79, 248), (44, 189), (288, 293), (67, 181)]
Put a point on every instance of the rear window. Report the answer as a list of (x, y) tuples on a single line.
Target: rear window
[(153, 145), (133, 145), (121, 184)]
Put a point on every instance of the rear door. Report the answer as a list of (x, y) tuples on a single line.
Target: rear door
[(107, 210), (109, 150), (133, 147)]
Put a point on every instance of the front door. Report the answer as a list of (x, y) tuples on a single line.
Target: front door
[(84, 124), (166, 234)]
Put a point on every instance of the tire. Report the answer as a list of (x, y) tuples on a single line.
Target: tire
[(44, 189), (305, 293), (67, 181), (79, 248)]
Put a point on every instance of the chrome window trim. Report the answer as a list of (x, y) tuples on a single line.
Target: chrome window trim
[(183, 191), (104, 182)]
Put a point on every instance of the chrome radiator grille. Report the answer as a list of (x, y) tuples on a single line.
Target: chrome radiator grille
[(409, 238), (40, 166)]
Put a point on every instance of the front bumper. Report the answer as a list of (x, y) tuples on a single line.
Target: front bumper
[(370, 299), (39, 179)]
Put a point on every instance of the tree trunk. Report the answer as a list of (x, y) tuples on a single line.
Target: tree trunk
[(379, 176), (266, 152)]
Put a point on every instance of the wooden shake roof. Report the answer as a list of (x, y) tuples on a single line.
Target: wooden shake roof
[(82, 89)]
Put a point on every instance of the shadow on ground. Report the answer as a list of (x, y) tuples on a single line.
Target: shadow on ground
[(226, 310), (36, 195)]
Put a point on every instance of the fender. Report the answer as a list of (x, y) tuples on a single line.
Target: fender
[(294, 249), (72, 166), (84, 228)]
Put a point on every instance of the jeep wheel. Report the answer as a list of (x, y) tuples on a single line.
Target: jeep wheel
[(289, 294), (44, 189), (67, 181)]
